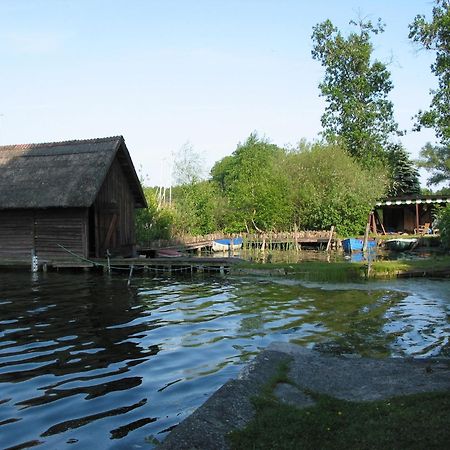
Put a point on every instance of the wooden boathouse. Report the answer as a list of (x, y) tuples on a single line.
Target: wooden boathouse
[(80, 195), (407, 214)]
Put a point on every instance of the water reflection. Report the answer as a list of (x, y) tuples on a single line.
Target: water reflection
[(87, 362)]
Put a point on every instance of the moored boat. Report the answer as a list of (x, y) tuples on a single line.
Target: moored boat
[(354, 244), (168, 253), (400, 244), (223, 245)]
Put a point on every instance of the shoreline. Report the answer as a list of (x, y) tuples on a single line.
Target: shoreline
[(433, 267), (309, 374)]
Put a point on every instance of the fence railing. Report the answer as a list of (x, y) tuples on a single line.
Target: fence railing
[(272, 237)]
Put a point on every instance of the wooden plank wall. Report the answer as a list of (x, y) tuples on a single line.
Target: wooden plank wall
[(43, 230), (16, 234), (115, 198), (67, 227)]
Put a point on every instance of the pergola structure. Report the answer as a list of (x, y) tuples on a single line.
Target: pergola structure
[(406, 214)]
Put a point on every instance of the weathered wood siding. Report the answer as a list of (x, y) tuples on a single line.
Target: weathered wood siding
[(21, 231), (66, 227), (114, 210), (16, 234)]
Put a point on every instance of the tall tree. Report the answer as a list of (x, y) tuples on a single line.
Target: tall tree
[(194, 198), (330, 188), (255, 186), (435, 35), (195, 206), (358, 112), (153, 222), (404, 174), (187, 165), (436, 159)]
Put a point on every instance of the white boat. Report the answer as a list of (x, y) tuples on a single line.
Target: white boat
[(400, 244), (224, 245)]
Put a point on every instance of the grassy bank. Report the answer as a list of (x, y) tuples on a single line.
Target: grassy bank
[(351, 271), (414, 422)]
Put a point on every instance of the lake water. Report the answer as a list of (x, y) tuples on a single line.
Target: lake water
[(86, 362)]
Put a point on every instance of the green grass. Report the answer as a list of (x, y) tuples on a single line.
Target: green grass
[(309, 270), (392, 268), (410, 422), (347, 271)]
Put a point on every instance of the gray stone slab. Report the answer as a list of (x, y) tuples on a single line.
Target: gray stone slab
[(349, 378), (362, 379), (291, 395)]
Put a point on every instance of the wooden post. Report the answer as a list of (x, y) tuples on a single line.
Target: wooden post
[(417, 218), (330, 238), (34, 261), (130, 275), (366, 236), (374, 223), (296, 237), (377, 217)]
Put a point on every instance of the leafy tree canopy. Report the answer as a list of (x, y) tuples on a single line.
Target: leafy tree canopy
[(435, 35), (444, 226), (188, 165), (356, 89), (331, 188), (255, 186), (195, 206), (153, 222), (436, 159)]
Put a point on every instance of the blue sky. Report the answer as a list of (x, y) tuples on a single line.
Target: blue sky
[(207, 72)]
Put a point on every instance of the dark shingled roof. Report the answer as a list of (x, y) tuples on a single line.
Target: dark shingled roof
[(62, 174)]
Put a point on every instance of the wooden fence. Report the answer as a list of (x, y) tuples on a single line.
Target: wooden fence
[(281, 240)]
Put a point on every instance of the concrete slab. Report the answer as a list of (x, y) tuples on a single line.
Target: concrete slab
[(363, 379), (349, 378)]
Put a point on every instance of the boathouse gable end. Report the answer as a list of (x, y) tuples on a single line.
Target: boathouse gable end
[(114, 215), (77, 194)]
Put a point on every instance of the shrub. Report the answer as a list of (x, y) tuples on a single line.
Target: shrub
[(332, 188), (444, 226)]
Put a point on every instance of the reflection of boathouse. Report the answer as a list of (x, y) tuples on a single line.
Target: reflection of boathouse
[(77, 194), (408, 213)]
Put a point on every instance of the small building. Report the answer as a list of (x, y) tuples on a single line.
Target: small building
[(407, 214), (77, 196)]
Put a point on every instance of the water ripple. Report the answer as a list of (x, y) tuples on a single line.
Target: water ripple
[(86, 362)]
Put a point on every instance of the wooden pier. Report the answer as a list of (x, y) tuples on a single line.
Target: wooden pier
[(168, 265), (148, 265), (148, 261)]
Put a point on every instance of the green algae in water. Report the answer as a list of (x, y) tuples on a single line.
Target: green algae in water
[(74, 347)]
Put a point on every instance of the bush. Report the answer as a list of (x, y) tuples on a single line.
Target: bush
[(153, 223), (444, 226), (331, 188)]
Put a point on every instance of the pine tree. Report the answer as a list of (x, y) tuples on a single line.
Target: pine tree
[(404, 174)]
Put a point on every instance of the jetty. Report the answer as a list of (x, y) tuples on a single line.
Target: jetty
[(183, 264), (183, 254)]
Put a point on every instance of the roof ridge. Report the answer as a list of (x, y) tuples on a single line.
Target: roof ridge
[(61, 143)]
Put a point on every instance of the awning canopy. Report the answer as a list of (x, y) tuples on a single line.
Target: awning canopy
[(413, 200)]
